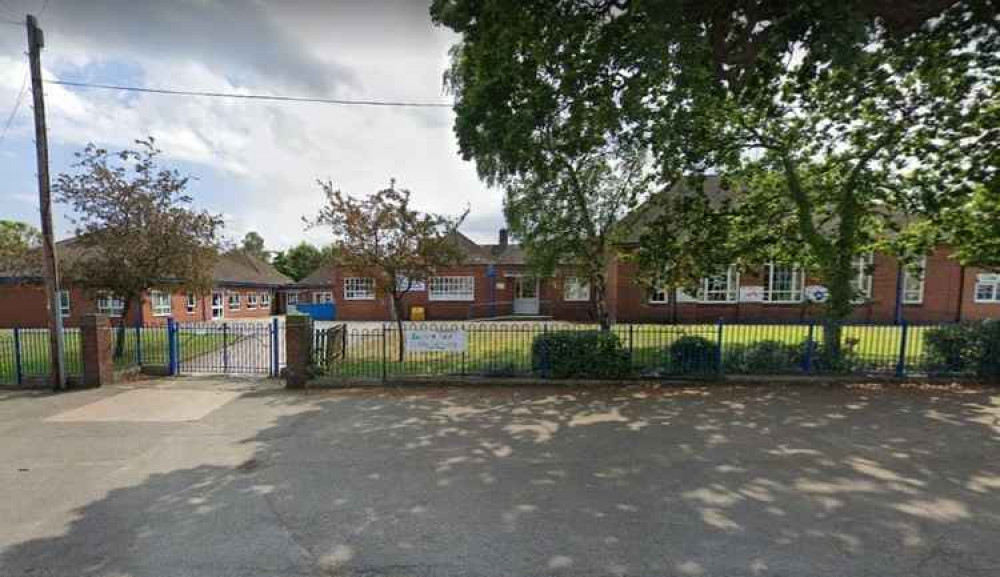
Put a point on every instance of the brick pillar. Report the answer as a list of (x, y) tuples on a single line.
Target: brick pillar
[(98, 366), (298, 350)]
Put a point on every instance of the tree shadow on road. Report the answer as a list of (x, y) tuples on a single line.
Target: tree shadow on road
[(616, 481)]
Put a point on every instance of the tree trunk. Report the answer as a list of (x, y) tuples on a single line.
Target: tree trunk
[(839, 307), (120, 334), (601, 302), (397, 311)]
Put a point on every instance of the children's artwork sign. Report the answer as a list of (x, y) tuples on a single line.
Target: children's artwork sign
[(751, 294), (431, 340)]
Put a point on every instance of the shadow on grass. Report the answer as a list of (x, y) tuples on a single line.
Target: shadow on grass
[(619, 481)]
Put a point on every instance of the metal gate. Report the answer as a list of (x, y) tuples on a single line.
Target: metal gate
[(227, 348)]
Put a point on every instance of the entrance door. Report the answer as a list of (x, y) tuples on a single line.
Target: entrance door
[(217, 308), (525, 296)]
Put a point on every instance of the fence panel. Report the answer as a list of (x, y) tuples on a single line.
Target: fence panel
[(505, 349), (25, 354)]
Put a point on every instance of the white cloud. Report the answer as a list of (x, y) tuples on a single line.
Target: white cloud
[(269, 155)]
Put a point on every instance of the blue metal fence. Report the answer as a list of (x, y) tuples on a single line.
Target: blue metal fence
[(506, 349)]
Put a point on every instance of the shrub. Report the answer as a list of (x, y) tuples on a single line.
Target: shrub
[(579, 354), (967, 348), (690, 354), (764, 357)]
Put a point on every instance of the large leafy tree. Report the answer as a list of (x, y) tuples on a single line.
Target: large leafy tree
[(302, 259), (837, 122), (20, 245), (382, 237), (253, 244), (136, 229)]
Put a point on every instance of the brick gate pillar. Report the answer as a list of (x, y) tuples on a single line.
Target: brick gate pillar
[(98, 366), (298, 350)]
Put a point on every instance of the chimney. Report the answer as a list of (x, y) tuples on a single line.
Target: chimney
[(503, 238)]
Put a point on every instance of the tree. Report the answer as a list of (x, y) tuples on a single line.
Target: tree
[(302, 259), (566, 213), (135, 227), (383, 238), (253, 244), (20, 246), (834, 117)]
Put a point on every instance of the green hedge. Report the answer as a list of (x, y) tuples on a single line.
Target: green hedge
[(764, 357), (579, 354), (690, 354), (964, 349)]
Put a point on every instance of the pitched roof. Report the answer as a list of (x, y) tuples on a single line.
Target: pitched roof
[(475, 254), (634, 223), (235, 267)]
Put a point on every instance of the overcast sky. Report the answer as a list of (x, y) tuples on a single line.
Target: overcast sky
[(255, 162)]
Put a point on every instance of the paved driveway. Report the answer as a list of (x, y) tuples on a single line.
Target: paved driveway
[(498, 481)]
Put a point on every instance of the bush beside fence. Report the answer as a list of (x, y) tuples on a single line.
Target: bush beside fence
[(562, 350)]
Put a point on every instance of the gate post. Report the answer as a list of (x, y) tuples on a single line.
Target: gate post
[(17, 356), (98, 366), (901, 362), (298, 350), (172, 363), (275, 353), (718, 345), (807, 360)]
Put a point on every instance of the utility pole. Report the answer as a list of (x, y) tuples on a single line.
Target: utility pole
[(36, 40)]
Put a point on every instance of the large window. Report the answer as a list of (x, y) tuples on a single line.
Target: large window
[(913, 283), (265, 300), (191, 304), (161, 303), (252, 301), (659, 295), (721, 288), (108, 304), (292, 298), (988, 288), (784, 284), (234, 301), (861, 277), (576, 289), (320, 298), (64, 303), (452, 288), (359, 288)]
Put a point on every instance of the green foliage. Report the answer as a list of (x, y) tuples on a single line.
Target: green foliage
[(764, 357), (967, 348), (136, 229), (579, 354), (253, 244), (302, 259), (692, 355), (20, 245)]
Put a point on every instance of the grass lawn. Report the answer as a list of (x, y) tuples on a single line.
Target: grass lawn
[(152, 344), (505, 349)]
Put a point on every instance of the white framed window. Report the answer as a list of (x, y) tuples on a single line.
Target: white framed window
[(721, 288), (452, 288), (913, 283), (861, 277), (191, 303), (659, 295), (784, 283), (359, 288), (64, 303), (321, 298), (252, 301), (161, 303), (111, 305), (265, 300), (576, 289), (988, 288), (234, 301), (292, 297)]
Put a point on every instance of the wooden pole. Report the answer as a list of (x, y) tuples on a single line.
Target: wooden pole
[(36, 41)]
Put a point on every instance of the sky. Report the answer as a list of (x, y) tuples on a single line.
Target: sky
[(256, 163)]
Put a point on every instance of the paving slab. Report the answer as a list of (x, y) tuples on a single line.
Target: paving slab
[(148, 406)]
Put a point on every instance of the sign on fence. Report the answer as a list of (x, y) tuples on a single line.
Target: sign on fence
[(428, 340)]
